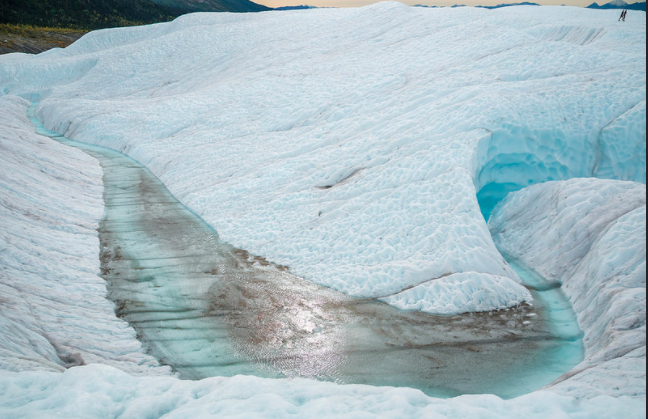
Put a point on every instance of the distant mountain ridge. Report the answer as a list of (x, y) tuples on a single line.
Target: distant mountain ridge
[(238, 6), (616, 4), (619, 4), (524, 3), (302, 7)]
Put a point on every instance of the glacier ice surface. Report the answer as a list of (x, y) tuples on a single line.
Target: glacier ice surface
[(353, 141)]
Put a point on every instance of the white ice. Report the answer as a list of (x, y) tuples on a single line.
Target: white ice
[(347, 144)]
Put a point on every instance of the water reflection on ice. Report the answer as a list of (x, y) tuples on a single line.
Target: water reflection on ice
[(208, 309)]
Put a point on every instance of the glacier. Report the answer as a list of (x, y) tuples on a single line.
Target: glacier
[(366, 149)]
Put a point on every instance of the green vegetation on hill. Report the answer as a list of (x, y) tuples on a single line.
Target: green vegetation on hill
[(85, 14), (33, 31), (33, 39)]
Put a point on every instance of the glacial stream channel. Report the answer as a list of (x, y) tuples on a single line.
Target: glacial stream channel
[(207, 309)]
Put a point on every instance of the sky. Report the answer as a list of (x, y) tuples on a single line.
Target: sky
[(360, 3)]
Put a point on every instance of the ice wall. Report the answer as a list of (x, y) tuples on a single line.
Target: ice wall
[(53, 310), (522, 154), (590, 236)]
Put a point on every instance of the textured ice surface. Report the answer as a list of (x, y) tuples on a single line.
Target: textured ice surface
[(349, 144), (98, 391), (589, 235), (470, 291), (53, 310)]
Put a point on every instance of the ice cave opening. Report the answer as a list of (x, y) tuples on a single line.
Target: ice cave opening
[(517, 158)]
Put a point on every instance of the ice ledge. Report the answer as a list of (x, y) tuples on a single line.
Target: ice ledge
[(462, 292)]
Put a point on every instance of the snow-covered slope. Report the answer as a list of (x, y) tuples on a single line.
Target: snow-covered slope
[(349, 144)]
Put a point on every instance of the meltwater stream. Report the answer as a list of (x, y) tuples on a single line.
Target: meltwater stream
[(207, 309)]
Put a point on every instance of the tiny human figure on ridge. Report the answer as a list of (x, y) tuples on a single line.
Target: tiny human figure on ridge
[(624, 12)]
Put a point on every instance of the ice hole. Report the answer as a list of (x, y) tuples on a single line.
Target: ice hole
[(519, 156), (505, 173)]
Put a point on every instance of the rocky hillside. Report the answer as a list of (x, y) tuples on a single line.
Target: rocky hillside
[(34, 40)]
